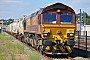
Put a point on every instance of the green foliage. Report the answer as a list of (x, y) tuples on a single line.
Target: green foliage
[(34, 56), (87, 19), (10, 46), (9, 21)]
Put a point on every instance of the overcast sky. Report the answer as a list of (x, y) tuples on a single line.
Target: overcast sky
[(17, 8)]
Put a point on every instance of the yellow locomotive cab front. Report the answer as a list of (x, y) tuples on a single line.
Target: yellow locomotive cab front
[(56, 37), (58, 31)]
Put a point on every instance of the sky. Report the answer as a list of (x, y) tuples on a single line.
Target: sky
[(15, 9)]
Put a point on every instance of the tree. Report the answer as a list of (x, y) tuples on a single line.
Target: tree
[(87, 19), (9, 21)]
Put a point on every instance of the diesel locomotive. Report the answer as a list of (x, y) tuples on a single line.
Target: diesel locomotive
[(50, 30)]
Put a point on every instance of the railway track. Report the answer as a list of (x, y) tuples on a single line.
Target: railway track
[(81, 43)]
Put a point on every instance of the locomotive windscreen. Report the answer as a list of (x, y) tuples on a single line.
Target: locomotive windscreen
[(66, 18), (50, 18)]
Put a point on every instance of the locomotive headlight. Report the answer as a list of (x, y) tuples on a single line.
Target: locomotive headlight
[(58, 11), (70, 34), (46, 34)]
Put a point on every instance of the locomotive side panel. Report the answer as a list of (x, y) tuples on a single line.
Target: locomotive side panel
[(33, 21), (32, 25), (28, 24)]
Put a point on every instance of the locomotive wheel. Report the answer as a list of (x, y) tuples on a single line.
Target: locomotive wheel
[(22, 39), (41, 50), (36, 47), (32, 43)]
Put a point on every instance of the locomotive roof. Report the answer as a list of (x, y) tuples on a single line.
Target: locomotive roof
[(56, 5)]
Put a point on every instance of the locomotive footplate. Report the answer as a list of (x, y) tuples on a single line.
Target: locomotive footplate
[(56, 50), (51, 53)]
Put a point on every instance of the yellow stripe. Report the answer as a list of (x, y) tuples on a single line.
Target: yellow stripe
[(54, 49), (47, 48), (61, 48), (68, 48)]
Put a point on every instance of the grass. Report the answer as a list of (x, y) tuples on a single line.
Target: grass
[(35, 55), (2, 54), (16, 49)]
